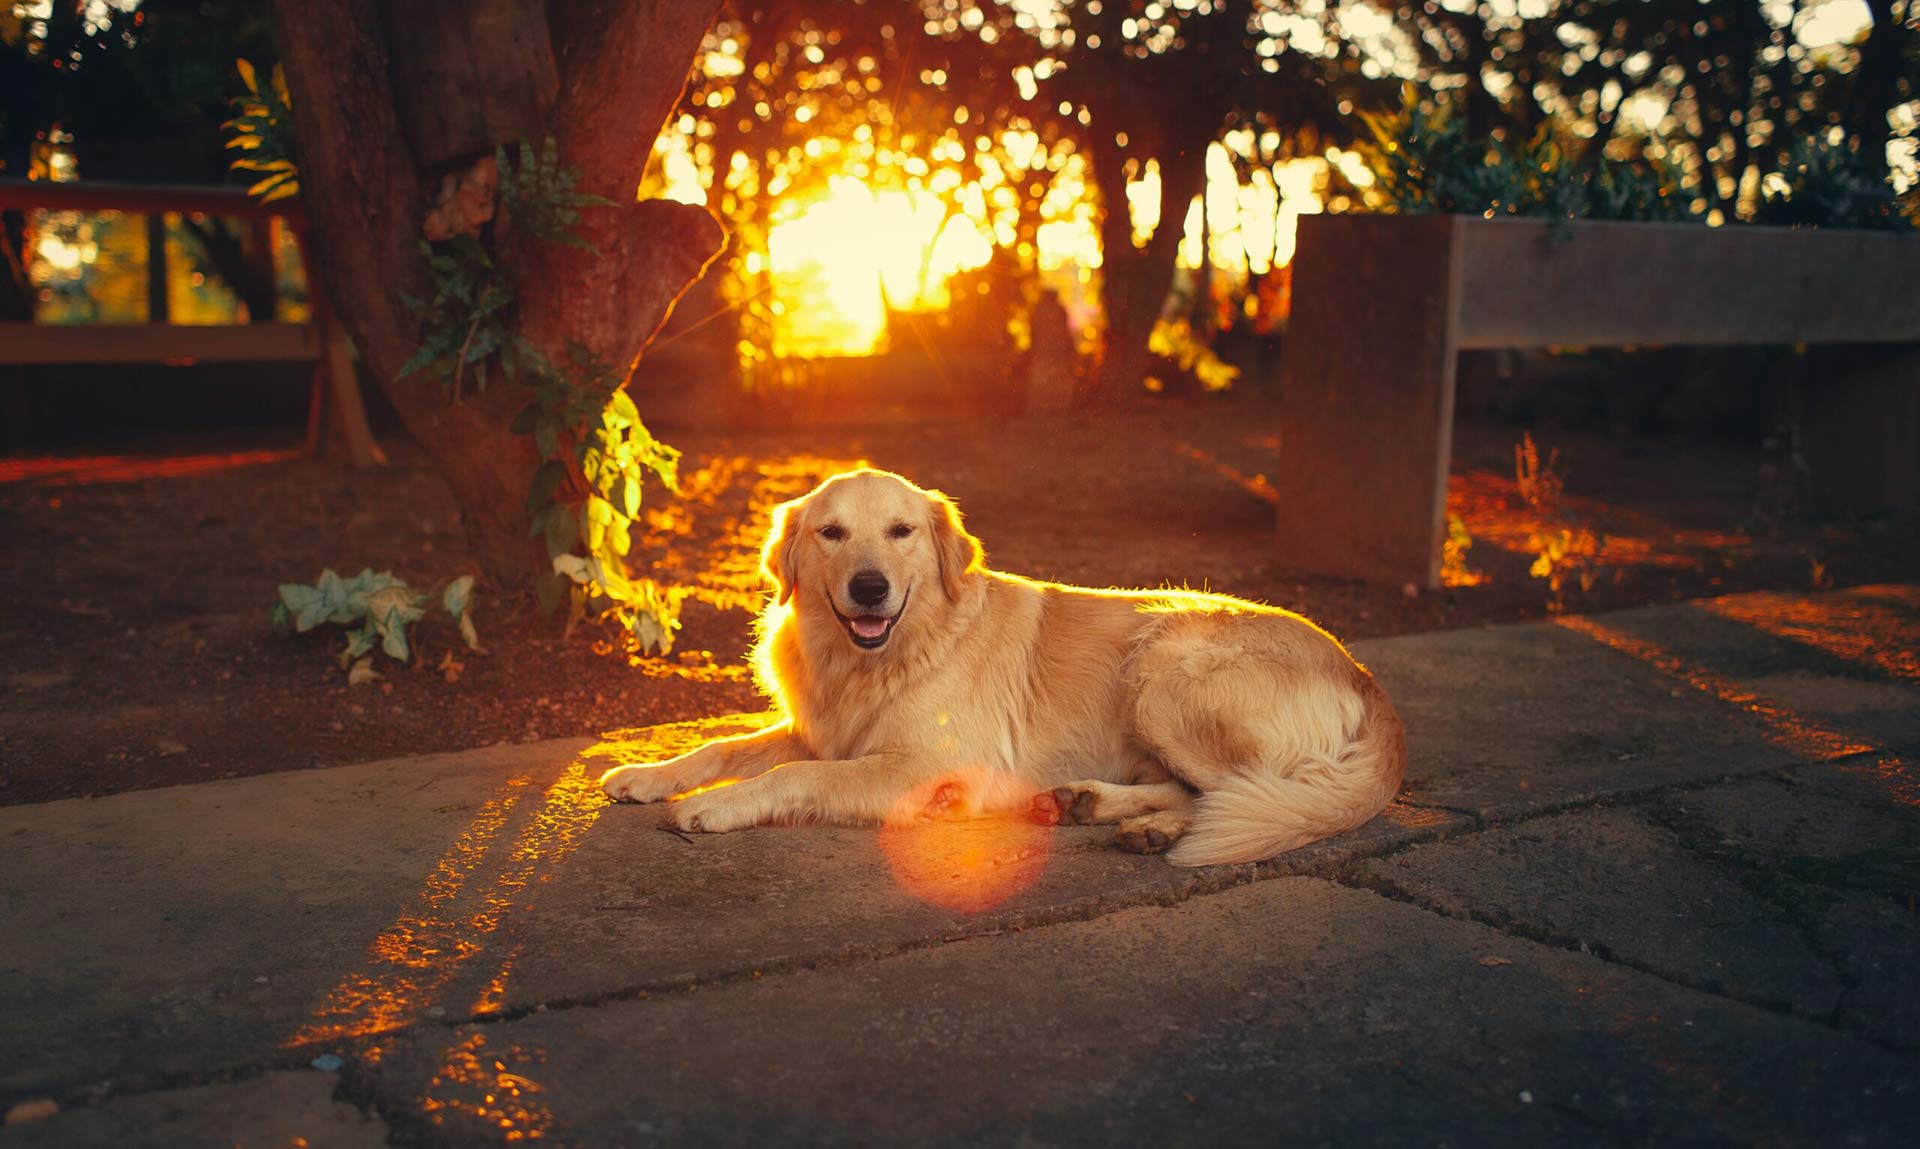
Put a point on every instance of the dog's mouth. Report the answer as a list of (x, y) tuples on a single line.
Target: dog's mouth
[(869, 631)]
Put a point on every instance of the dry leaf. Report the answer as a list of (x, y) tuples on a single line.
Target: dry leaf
[(1495, 960)]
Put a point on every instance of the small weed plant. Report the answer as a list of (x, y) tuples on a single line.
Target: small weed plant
[(378, 609), (1567, 551)]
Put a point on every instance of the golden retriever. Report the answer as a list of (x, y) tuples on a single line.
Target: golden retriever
[(912, 680)]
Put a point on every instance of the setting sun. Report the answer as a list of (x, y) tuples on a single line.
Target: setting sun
[(839, 262)]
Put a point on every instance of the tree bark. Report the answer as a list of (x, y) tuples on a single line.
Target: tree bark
[(617, 69), (1135, 281), (482, 72), (615, 95)]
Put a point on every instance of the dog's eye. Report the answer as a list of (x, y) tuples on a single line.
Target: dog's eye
[(833, 532), (899, 531)]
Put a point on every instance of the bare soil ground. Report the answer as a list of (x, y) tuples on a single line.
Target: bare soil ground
[(135, 648)]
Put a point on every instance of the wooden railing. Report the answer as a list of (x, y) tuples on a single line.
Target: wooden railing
[(335, 395)]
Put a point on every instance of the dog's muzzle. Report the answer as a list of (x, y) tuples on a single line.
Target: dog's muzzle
[(869, 631)]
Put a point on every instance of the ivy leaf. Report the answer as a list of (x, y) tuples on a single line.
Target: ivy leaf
[(573, 567), (306, 604), (621, 411), (359, 642), (662, 460), (420, 358), (335, 593), (458, 595), (562, 532), (546, 481), (393, 638)]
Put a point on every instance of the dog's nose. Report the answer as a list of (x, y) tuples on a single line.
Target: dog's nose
[(868, 588)]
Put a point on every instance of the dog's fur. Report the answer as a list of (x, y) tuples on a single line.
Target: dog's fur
[(1227, 731)]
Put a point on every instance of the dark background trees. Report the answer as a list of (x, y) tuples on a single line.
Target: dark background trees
[(1009, 117)]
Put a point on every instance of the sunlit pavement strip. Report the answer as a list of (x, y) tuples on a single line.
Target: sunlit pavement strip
[(365, 912)]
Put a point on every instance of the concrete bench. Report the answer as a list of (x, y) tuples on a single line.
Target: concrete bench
[(321, 342), (1383, 304)]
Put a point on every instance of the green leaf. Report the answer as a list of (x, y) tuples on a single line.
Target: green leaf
[(421, 358), (306, 604), (630, 497), (593, 465), (648, 632), (458, 596), (538, 526), (341, 605), (573, 567), (393, 602), (562, 531), (620, 405), (529, 416), (546, 481), (551, 591), (359, 642), (393, 637)]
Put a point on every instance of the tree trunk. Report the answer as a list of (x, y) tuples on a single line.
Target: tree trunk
[(1876, 83), (614, 73), (1135, 281)]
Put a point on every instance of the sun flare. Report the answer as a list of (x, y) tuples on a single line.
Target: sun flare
[(841, 260)]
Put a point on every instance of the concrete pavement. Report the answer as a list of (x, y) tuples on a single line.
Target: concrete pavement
[(1651, 881)]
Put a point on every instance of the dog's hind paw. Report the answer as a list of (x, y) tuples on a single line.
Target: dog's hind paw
[(1151, 833)]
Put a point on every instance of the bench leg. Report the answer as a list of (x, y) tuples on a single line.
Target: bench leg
[(1366, 424)]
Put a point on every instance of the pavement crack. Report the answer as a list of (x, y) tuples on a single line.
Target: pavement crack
[(1506, 925), (1198, 883)]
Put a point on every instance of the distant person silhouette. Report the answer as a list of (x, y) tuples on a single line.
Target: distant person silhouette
[(1050, 358)]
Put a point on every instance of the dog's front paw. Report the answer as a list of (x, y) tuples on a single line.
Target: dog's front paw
[(642, 783), (714, 813)]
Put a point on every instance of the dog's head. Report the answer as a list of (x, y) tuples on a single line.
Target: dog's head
[(869, 547)]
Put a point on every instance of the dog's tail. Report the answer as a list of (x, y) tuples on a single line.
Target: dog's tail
[(1284, 805)]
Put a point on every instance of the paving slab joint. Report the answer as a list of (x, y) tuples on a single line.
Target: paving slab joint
[(1695, 836), (1507, 926)]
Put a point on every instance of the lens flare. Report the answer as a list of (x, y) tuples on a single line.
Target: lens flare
[(947, 852)]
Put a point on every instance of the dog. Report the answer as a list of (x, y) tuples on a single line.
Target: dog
[(911, 680)]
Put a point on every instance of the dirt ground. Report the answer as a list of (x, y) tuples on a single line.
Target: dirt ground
[(135, 649)]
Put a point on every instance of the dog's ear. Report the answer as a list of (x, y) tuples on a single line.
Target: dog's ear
[(777, 556), (960, 553)]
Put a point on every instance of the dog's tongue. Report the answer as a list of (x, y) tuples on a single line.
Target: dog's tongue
[(868, 626)]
